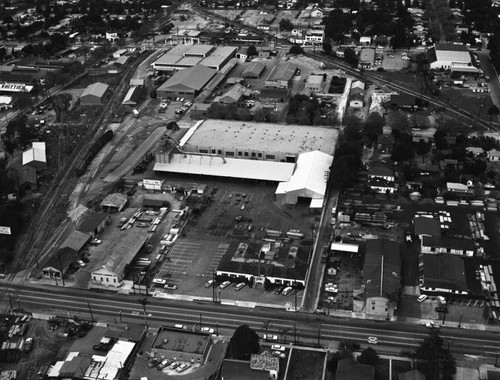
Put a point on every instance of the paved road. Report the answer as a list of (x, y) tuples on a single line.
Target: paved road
[(392, 337), (489, 70)]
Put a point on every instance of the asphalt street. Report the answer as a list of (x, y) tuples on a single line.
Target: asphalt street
[(288, 326)]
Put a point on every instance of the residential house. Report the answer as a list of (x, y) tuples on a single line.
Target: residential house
[(381, 172), (58, 264), (367, 58), (385, 143), (493, 155), (475, 151)]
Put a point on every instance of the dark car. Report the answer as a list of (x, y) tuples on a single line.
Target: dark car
[(441, 309)]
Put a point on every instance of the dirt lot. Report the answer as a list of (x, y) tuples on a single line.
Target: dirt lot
[(393, 62)]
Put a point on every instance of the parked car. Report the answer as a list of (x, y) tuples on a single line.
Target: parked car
[(170, 287), (270, 337), (277, 347), (179, 326), (372, 340), (279, 354), (159, 281), (163, 364), (441, 299), (209, 283), (183, 367), (240, 286), (441, 309), (174, 365), (422, 298), (225, 284), (28, 344), (286, 291), (207, 330), (81, 263), (279, 290), (153, 363)]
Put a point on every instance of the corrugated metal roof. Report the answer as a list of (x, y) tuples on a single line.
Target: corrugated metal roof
[(231, 168), (194, 78), (96, 89)]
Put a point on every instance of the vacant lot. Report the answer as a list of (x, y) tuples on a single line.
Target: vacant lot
[(306, 364)]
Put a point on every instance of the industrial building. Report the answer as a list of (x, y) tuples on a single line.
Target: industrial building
[(308, 180), (258, 141), (382, 279), (186, 83), (133, 96), (94, 94), (281, 76), (280, 265), (115, 257), (456, 58), (233, 95), (185, 56), (254, 70), (181, 345)]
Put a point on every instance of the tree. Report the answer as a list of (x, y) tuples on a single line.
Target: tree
[(422, 148), (351, 57), (296, 49), (243, 343), (252, 50), (403, 149), (286, 24), (345, 350), (493, 111), (434, 360), (327, 47), (369, 356), (373, 126)]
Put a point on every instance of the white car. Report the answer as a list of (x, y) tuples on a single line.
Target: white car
[(270, 337), (277, 347), (441, 299), (286, 291), (183, 367), (372, 340), (81, 263), (159, 281), (422, 298), (225, 284), (279, 354), (207, 330), (179, 326)]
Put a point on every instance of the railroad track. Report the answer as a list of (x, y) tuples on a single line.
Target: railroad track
[(55, 203)]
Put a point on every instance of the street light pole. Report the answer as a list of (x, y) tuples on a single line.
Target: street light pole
[(91, 314), (460, 321)]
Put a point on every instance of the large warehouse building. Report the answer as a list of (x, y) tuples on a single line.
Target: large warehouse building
[(299, 157), (186, 83), (258, 141), (451, 57), (94, 94), (185, 56)]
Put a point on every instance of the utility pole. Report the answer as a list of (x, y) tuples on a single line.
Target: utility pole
[(91, 314), (61, 269), (460, 321), (10, 302), (201, 323)]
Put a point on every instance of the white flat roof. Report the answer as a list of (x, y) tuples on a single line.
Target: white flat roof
[(290, 139), (231, 168)]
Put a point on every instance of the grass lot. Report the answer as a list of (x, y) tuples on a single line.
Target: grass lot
[(306, 365)]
